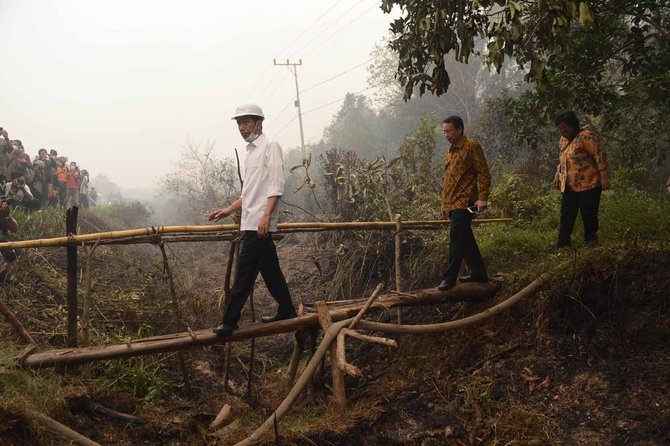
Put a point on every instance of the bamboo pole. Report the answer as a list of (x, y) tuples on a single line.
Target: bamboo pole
[(89, 250), (398, 262), (20, 329), (230, 228), (62, 430), (176, 314)]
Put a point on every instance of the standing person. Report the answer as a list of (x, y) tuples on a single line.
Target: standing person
[(7, 225), (262, 188), (61, 175), (73, 177), (465, 192), (93, 197), (83, 188), (581, 176)]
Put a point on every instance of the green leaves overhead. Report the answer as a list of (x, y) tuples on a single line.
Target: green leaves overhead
[(543, 37)]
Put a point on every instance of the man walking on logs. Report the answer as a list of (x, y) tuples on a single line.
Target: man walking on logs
[(262, 188), (465, 167)]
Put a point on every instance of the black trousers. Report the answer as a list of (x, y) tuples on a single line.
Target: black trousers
[(257, 254), (462, 245), (587, 202)]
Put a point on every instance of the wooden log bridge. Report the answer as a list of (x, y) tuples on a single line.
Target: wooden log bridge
[(338, 310)]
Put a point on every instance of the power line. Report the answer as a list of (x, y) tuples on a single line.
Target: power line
[(339, 31), (310, 26), (267, 68), (327, 27), (339, 100), (337, 75), (324, 106)]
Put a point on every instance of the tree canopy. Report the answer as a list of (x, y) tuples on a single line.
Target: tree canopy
[(599, 47)]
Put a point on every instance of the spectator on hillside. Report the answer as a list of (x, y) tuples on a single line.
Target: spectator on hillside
[(20, 194), (62, 174), (93, 197), (4, 150), (39, 185), (72, 196), (51, 167), (83, 188), (581, 176), (7, 225)]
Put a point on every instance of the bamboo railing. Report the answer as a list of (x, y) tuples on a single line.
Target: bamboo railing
[(226, 231)]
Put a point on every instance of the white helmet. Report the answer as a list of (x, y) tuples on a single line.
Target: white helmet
[(248, 109)]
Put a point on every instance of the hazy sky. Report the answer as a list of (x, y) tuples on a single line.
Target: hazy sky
[(119, 86)]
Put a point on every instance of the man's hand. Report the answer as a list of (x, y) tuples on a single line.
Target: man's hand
[(481, 205), (604, 182), (218, 214), (557, 181), (263, 226)]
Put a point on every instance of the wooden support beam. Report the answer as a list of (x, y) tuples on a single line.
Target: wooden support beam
[(71, 231), (20, 329), (342, 363), (367, 338), (339, 391)]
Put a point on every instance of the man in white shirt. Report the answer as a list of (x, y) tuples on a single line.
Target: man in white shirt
[(262, 187)]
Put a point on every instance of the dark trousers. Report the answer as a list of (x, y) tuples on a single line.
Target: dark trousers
[(587, 202), (462, 245), (257, 254)]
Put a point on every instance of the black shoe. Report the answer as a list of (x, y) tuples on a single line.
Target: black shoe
[(444, 285), (278, 317), (225, 329), (482, 278), (590, 243), (558, 245)]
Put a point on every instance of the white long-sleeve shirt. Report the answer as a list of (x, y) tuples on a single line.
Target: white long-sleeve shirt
[(263, 178)]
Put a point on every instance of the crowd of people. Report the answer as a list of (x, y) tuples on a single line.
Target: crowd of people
[(48, 180)]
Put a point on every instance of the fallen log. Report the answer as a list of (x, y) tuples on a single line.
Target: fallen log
[(205, 337)]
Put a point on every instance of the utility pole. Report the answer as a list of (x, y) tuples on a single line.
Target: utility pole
[(294, 71)]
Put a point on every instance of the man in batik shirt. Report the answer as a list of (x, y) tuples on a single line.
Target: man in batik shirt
[(581, 176)]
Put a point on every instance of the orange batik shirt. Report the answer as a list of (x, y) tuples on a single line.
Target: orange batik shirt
[(465, 166), (581, 161)]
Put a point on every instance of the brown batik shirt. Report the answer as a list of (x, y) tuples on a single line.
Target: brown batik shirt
[(466, 175), (581, 161)]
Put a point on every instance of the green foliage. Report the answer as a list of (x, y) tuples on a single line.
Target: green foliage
[(515, 197), (558, 42), (139, 376)]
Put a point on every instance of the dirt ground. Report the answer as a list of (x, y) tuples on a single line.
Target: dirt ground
[(584, 362)]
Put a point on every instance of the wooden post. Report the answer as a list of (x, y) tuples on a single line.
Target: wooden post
[(253, 345), (71, 230), (177, 316), (339, 391), (398, 263)]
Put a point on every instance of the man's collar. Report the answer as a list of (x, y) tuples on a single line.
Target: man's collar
[(256, 142), (458, 143)]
